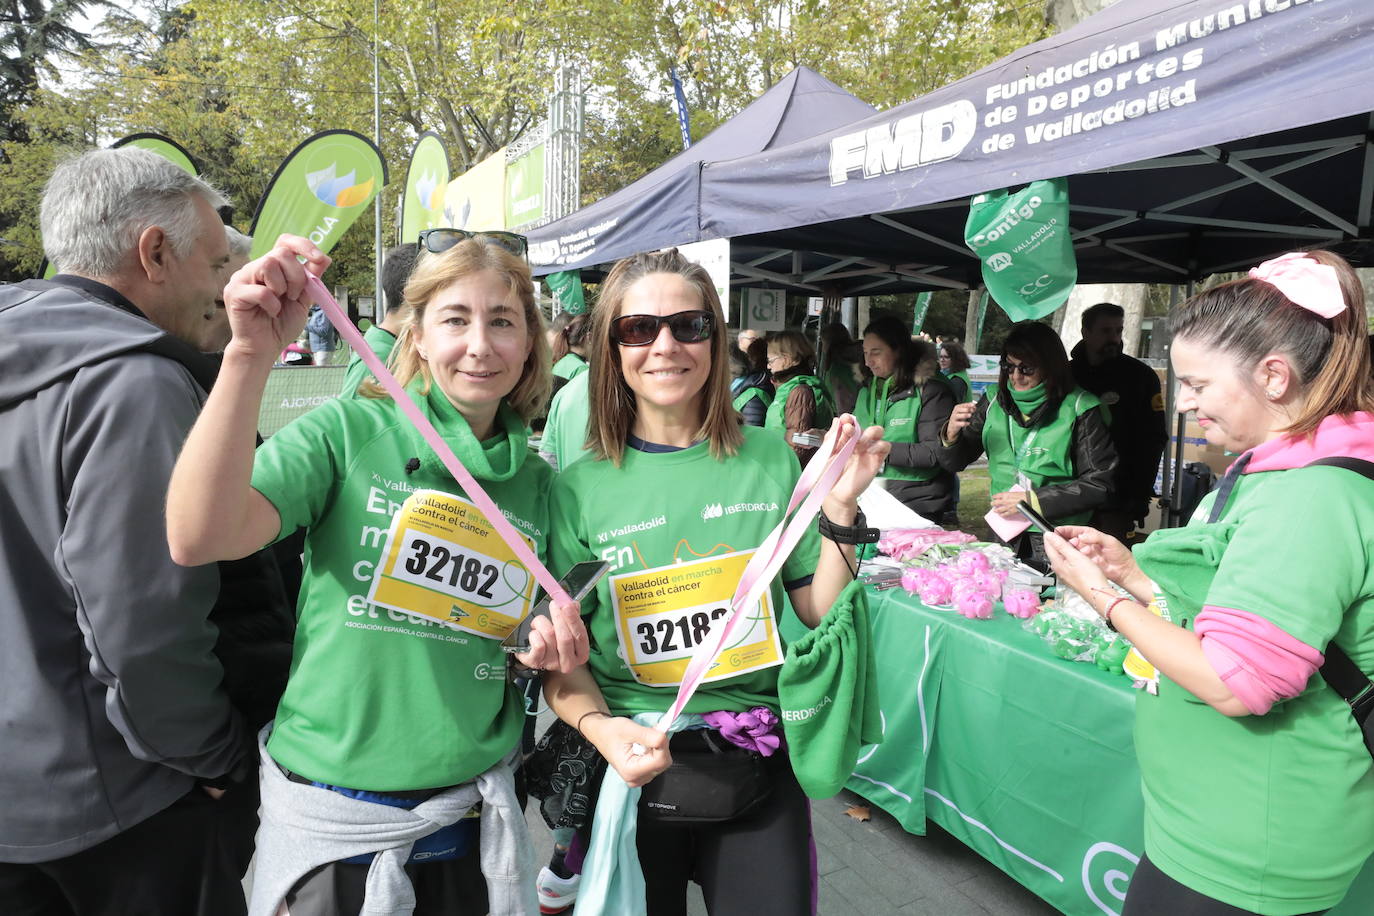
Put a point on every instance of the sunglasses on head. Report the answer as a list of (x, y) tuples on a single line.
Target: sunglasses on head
[(642, 330), (439, 240), (1025, 370)]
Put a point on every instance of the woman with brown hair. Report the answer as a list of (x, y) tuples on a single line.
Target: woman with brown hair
[(801, 402), (1258, 784), (386, 707), (679, 491)]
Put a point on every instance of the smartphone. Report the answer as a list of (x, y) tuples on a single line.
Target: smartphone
[(1035, 518), (577, 582)]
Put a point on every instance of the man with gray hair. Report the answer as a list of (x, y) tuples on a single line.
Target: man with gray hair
[(121, 753)]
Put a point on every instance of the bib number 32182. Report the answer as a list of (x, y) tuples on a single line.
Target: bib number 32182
[(444, 560), (663, 614)]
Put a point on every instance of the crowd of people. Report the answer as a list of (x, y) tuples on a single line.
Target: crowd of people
[(193, 672)]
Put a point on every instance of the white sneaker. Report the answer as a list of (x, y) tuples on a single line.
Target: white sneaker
[(556, 894)]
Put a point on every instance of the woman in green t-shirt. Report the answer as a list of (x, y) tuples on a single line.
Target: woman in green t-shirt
[(387, 707), (1259, 789), (676, 496), (1046, 440)]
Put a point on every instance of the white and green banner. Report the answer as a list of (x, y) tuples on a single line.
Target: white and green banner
[(1026, 247), (422, 207), (319, 190), (922, 308), (566, 286), (525, 188)]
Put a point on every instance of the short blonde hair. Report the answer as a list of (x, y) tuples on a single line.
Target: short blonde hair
[(613, 405), (436, 272)]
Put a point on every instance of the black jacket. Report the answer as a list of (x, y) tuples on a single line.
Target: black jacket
[(1139, 429), (929, 498)]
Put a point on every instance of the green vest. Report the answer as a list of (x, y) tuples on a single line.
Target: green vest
[(570, 366), (748, 394), (962, 376), (1043, 454), (825, 409), (898, 420)]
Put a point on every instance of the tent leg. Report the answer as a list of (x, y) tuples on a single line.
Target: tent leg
[(1175, 517)]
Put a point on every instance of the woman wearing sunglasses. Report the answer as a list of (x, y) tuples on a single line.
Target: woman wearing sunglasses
[(384, 709), (677, 490), (1046, 438)]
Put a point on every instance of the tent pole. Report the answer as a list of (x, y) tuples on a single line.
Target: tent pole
[(1180, 425)]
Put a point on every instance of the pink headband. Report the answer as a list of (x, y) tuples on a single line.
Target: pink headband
[(1309, 284)]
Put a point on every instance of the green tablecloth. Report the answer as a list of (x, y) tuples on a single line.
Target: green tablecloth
[(1026, 758)]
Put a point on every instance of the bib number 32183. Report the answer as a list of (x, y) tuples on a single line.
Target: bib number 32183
[(663, 614), (443, 560)]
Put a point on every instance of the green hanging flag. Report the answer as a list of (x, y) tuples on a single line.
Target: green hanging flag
[(567, 286), (922, 307), (982, 318), (164, 147), (319, 190), (1024, 242), (422, 207)]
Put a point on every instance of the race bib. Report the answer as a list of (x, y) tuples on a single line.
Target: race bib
[(442, 559), (663, 614), (1136, 665)]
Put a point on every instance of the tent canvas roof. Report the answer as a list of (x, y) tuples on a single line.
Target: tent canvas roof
[(661, 208), (1198, 136)]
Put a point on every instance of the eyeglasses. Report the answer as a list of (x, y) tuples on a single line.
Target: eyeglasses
[(436, 241), (642, 330), (1025, 370)]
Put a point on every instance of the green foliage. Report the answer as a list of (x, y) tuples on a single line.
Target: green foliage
[(239, 84)]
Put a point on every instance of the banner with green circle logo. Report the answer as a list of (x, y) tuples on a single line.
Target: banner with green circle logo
[(319, 190), (423, 205), (1026, 247)]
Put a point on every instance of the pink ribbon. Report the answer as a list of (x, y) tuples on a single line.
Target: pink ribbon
[(470, 486), (1307, 283), (816, 481)]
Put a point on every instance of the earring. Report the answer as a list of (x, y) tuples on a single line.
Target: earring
[(1272, 394)]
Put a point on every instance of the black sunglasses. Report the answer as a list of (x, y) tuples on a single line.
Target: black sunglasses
[(1025, 370), (439, 240), (642, 330)]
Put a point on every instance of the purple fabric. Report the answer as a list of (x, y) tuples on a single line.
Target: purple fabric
[(755, 730), (577, 852)]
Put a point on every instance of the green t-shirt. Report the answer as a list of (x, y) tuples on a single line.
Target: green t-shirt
[(661, 508), (1274, 813), (381, 341), (570, 366), (379, 699), (565, 431)]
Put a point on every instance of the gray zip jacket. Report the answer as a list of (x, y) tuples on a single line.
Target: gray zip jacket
[(110, 697)]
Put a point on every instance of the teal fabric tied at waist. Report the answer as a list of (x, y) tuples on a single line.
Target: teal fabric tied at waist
[(612, 881)]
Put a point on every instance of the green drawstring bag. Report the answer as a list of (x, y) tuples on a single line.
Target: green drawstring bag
[(828, 692)]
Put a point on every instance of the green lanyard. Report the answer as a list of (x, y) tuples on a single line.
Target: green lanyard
[(880, 408), (1020, 453)]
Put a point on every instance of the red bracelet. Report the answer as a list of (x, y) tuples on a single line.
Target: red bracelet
[(1107, 614)]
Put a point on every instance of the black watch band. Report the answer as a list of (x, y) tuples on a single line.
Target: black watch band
[(858, 533)]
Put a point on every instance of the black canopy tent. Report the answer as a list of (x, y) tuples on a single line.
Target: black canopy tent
[(1197, 135), (660, 209)]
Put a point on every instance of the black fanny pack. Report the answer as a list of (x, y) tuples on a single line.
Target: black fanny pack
[(710, 780)]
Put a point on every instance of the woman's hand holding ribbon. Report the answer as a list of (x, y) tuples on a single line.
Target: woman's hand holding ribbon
[(1073, 568), (869, 454), (267, 300), (557, 642), (637, 753)]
